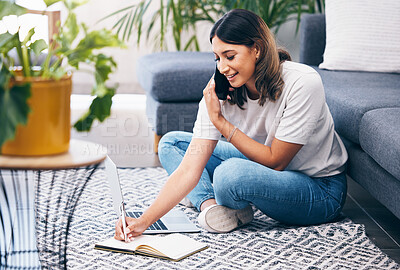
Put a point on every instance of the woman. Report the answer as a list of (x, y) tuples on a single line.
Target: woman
[(282, 154)]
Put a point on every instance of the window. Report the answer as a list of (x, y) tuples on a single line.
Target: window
[(45, 25)]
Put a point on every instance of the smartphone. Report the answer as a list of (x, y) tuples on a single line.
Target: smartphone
[(221, 85)]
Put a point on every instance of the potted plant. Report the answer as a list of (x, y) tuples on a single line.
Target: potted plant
[(181, 16), (34, 98)]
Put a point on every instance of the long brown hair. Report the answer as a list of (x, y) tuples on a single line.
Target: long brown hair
[(243, 27)]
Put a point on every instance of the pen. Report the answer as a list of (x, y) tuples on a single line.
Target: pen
[(124, 228), (123, 214)]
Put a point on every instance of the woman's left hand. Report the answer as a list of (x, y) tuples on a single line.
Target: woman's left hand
[(212, 102)]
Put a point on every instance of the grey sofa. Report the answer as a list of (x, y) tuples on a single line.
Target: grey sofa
[(174, 83), (366, 110), (365, 107)]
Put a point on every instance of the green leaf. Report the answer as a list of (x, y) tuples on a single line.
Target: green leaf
[(5, 75), (129, 22), (93, 40), (100, 90), (69, 4), (28, 36), (51, 2), (58, 73), (8, 8), (104, 66), (23, 53), (71, 28), (100, 39), (8, 42), (14, 110), (192, 40), (116, 12), (72, 4), (99, 109), (38, 46)]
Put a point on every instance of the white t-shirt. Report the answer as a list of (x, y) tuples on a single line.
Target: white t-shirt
[(300, 116)]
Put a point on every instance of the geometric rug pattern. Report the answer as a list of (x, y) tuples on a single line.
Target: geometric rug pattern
[(262, 244)]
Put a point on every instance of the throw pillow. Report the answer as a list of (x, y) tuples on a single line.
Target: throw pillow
[(362, 35)]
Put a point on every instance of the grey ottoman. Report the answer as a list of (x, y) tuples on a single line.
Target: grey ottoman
[(174, 83)]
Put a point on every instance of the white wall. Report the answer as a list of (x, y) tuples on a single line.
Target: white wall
[(125, 75)]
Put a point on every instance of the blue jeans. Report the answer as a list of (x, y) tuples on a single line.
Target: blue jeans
[(235, 181)]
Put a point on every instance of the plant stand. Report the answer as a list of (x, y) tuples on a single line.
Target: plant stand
[(65, 176)]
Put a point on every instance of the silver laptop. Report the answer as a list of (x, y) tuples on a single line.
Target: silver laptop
[(174, 221)]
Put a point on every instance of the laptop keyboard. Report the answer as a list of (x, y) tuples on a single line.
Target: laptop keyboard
[(156, 226)]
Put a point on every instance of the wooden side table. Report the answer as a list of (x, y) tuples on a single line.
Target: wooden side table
[(59, 181)]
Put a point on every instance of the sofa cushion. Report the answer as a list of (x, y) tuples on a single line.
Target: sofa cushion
[(175, 76), (166, 117), (351, 94), (362, 35), (312, 39), (379, 137)]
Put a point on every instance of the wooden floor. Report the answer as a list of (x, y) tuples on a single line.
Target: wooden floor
[(382, 227)]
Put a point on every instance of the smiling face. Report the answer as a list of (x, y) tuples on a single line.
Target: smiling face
[(236, 62)]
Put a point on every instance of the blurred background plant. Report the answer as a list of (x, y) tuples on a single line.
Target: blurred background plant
[(180, 17), (74, 47)]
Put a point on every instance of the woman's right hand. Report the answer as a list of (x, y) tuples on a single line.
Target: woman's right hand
[(135, 227)]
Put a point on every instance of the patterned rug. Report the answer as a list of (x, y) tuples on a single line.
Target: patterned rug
[(263, 244)]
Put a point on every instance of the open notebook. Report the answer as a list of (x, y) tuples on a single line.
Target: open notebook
[(173, 247)]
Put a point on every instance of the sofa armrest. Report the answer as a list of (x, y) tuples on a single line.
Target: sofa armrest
[(175, 76), (312, 39)]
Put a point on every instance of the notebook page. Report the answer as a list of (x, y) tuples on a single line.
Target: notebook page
[(137, 241), (176, 246)]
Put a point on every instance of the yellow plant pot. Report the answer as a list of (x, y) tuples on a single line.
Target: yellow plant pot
[(49, 122)]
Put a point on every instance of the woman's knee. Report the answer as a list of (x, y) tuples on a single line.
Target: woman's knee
[(172, 148), (170, 140), (227, 175), (228, 183)]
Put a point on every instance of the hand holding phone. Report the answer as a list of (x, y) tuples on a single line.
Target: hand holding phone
[(221, 85)]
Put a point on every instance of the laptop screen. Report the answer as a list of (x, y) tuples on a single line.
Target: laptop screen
[(115, 187)]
